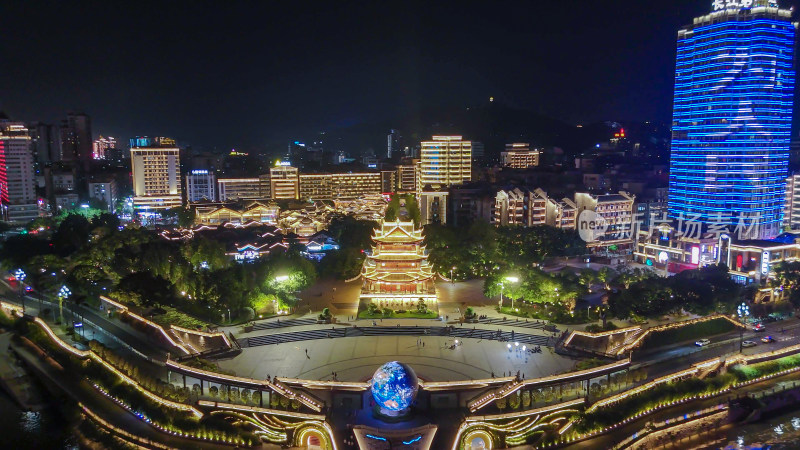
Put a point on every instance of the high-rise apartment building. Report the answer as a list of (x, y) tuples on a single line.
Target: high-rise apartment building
[(76, 139), (478, 153), (732, 117), (156, 174), (393, 144), (46, 143), (520, 156), (17, 176), (101, 147), (445, 160), (201, 186)]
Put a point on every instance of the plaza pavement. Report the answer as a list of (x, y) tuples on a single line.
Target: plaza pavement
[(357, 358)]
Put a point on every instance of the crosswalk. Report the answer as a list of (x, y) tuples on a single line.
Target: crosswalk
[(455, 332)]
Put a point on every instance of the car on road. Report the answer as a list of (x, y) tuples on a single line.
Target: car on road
[(759, 327), (767, 339), (702, 342), (748, 344)]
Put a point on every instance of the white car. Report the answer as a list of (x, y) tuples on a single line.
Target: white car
[(702, 342), (748, 344)]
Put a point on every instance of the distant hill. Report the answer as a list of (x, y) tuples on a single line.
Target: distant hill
[(494, 124)]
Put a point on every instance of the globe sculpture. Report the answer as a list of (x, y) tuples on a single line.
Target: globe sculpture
[(394, 387)]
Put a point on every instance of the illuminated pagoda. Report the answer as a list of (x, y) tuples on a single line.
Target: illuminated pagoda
[(396, 271)]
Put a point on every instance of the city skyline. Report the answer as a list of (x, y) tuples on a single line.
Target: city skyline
[(367, 268), (264, 81)]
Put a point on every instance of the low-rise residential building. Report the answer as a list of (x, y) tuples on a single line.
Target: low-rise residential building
[(201, 186), (566, 214), (232, 189), (520, 156), (433, 206), (791, 213), (616, 214), (523, 207), (408, 177), (282, 183), (105, 190)]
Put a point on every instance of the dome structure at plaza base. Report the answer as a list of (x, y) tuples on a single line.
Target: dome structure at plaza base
[(394, 387)]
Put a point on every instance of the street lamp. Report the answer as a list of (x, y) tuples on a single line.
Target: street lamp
[(63, 293), (20, 276), (452, 269), (743, 310), (502, 287)]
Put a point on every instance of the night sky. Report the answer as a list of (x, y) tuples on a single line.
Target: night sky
[(243, 74)]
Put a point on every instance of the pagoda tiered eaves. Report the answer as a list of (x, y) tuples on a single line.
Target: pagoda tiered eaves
[(398, 266)]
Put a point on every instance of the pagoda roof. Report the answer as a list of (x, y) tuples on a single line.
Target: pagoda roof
[(398, 231)]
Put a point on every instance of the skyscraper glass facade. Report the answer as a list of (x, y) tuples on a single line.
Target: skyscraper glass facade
[(732, 118)]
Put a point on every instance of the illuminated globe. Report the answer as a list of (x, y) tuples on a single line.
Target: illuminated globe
[(394, 386)]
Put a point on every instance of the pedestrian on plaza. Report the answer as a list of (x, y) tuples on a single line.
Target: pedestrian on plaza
[(306, 352)]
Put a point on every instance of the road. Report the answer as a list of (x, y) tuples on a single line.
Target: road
[(93, 320), (663, 361)]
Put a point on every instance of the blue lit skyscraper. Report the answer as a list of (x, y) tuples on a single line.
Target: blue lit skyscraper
[(732, 117)]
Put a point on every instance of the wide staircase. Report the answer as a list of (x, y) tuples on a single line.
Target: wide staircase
[(339, 332)]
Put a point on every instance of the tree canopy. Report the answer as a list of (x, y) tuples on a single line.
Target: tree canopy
[(701, 291)]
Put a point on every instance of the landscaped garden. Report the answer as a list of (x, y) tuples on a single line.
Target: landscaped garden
[(669, 392), (687, 333), (162, 404), (420, 310)]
